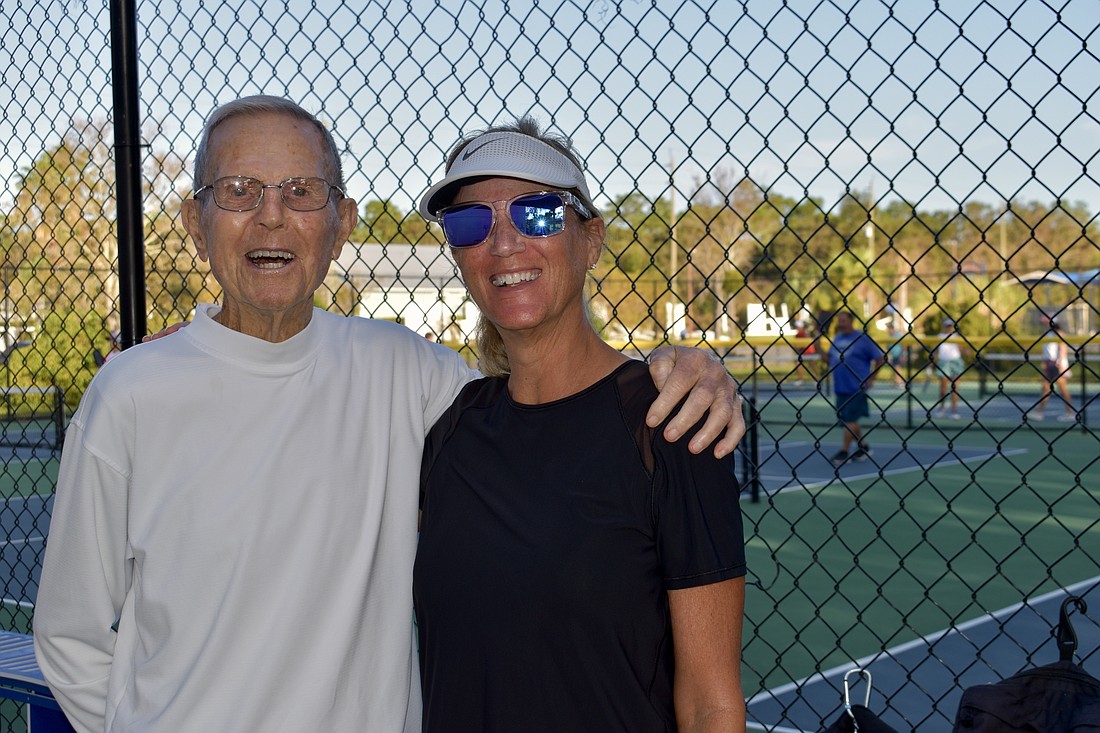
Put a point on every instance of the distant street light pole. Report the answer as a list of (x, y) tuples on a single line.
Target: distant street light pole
[(672, 243)]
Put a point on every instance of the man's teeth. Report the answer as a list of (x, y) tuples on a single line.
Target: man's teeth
[(269, 258), (514, 278)]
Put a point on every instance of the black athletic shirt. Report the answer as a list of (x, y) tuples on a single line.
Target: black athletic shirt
[(549, 538)]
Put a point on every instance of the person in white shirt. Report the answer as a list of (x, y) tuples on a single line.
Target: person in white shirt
[(948, 358), (1056, 373), (233, 535)]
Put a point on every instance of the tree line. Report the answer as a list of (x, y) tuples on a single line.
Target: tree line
[(729, 242)]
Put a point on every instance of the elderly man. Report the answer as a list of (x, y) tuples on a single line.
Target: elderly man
[(232, 540)]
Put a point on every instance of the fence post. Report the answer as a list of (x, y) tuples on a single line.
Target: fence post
[(130, 224), (909, 387), (753, 463), (1082, 367)]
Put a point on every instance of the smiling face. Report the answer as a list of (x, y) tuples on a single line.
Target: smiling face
[(528, 284), (270, 260)]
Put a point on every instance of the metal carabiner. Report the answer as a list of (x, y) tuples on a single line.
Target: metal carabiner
[(848, 697)]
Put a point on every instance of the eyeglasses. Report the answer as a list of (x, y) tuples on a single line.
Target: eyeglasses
[(242, 193), (539, 214)]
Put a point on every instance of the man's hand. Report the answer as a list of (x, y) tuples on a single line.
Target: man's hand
[(678, 369), (166, 332)]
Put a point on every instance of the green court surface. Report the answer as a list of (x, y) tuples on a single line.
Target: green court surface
[(949, 520), (31, 476)]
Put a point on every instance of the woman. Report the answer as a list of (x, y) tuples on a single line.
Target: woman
[(1056, 373), (575, 571), (948, 358)]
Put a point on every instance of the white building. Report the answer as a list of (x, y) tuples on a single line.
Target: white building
[(417, 285)]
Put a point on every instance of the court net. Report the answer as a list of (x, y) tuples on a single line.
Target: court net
[(997, 390), (32, 417)]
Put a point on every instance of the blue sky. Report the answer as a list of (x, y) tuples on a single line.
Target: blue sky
[(982, 100)]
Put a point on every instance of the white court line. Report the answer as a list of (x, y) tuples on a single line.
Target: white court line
[(895, 471), (925, 640)]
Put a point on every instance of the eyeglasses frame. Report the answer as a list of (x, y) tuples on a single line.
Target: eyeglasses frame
[(263, 186)]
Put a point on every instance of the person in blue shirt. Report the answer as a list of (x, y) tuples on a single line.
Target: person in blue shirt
[(854, 358)]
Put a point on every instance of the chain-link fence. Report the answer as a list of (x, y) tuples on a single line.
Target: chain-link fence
[(763, 167)]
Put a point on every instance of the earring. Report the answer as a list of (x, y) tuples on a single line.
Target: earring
[(592, 266)]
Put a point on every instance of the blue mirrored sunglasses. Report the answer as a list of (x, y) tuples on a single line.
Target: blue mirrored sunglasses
[(539, 214)]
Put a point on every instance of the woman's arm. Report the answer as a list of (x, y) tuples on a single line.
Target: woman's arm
[(706, 639)]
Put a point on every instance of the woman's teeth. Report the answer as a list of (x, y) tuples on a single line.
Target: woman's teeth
[(514, 278)]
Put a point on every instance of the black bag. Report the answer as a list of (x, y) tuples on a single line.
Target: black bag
[(1057, 698), (860, 716)]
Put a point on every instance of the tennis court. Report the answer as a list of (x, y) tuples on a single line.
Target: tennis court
[(32, 418), (939, 563), (27, 490), (913, 682), (889, 565)]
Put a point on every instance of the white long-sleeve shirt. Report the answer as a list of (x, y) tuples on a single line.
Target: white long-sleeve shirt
[(244, 513)]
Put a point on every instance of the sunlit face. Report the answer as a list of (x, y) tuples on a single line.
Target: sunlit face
[(523, 283), (270, 260)]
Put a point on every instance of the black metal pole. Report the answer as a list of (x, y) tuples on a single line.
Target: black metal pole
[(908, 387), (128, 154), (754, 449)]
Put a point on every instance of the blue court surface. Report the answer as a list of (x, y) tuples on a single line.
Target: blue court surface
[(24, 521), (917, 685)]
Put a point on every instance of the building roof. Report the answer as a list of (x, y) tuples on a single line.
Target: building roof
[(1080, 278), (386, 264)]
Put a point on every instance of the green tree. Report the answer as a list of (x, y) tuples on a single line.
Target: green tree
[(724, 234), (383, 222), (61, 354), (634, 273), (175, 278), (60, 255), (63, 217)]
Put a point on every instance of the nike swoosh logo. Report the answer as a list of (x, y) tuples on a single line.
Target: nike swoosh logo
[(470, 151)]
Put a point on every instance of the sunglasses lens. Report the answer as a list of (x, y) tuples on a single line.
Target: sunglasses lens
[(538, 216), (465, 226)]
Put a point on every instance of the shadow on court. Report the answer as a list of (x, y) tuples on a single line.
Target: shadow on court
[(918, 685)]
